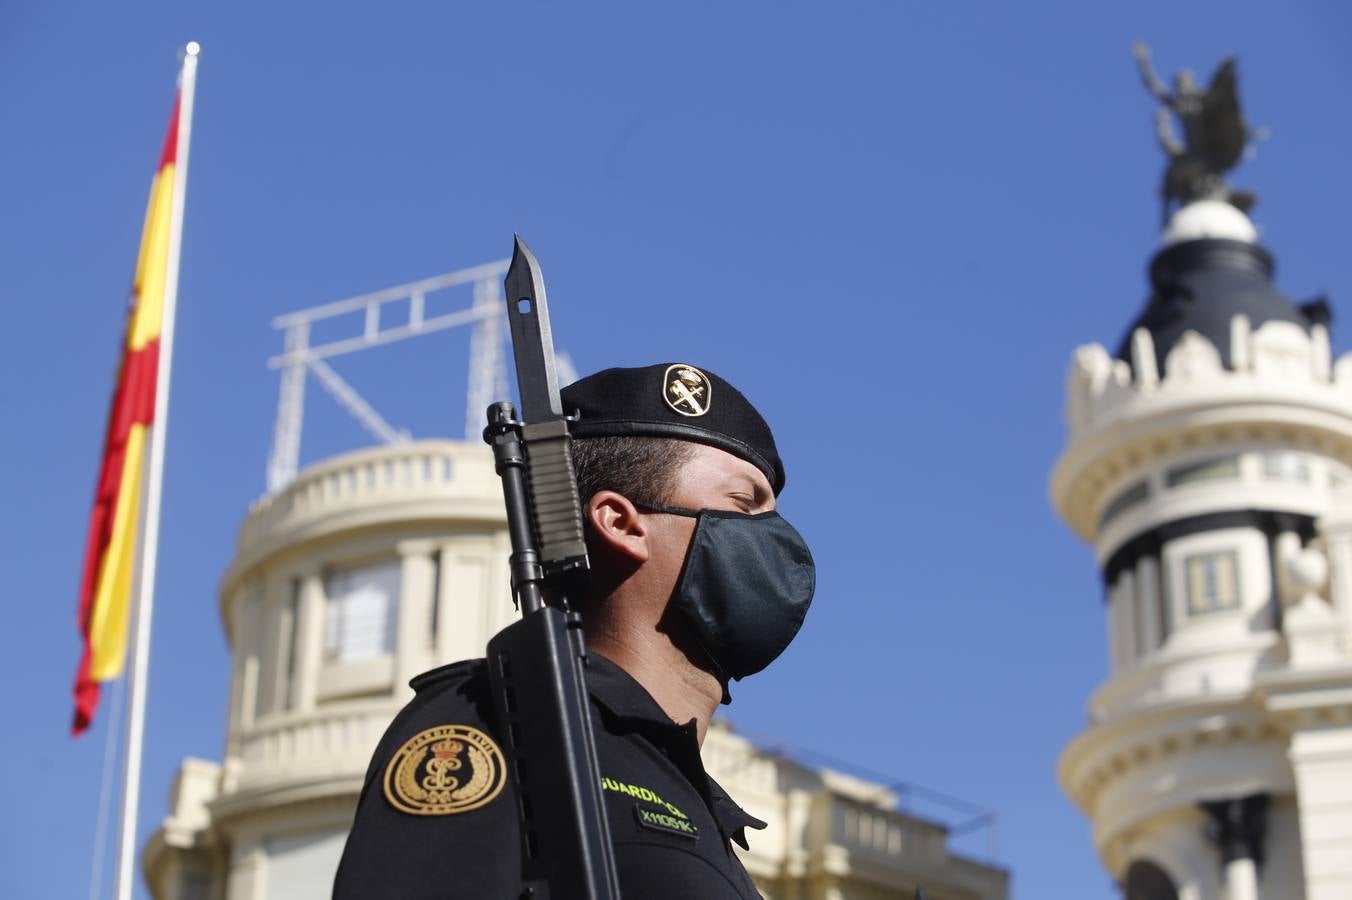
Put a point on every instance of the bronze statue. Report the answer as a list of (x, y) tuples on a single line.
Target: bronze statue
[(1215, 134)]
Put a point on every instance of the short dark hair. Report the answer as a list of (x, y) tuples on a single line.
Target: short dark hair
[(640, 468)]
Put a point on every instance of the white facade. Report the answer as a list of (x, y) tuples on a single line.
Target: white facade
[(377, 565), (1217, 495)]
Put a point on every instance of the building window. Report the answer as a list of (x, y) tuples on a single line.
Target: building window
[(1133, 495), (1286, 467), (1222, 468), (1212, 581), (361, 612)]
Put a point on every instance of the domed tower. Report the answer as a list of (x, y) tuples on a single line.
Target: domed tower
[(1208, 465)]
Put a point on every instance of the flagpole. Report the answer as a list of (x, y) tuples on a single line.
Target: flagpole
[(145, 600)]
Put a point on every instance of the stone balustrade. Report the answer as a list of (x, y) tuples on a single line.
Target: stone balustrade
[(422, 479), (861, 828), (323, 744)]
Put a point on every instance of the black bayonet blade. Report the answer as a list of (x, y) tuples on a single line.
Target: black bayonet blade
[(537, 378)]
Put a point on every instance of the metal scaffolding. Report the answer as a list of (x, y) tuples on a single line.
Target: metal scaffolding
[(385, 317)]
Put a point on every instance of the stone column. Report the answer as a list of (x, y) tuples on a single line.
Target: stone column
[(1119, 611), (274, 628), (1128, 639), (1285, 546), (246, 645), (500, 612), (246, 874), (1241, 880), (1110, 616), (1148, 604), (465, 564), (1238, 828), (797, 851), (1321, 758), (308, 641), (246, 638), (413, 645)]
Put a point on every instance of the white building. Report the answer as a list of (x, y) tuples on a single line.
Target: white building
[(374, 566), (1208, 464)]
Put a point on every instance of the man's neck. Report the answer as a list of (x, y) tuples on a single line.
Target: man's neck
[(683, 690)]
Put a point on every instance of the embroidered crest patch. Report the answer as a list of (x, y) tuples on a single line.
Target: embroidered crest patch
[(445, 770), (687, 390)]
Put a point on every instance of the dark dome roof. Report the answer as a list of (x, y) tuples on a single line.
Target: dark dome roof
[(1201, 285)]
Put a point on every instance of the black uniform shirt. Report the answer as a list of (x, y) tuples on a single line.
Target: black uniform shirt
[(437, 814)]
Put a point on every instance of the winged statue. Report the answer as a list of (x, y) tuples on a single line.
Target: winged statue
[(1214, 136)]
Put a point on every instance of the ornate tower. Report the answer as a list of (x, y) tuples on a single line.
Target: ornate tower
[(1208, 465)]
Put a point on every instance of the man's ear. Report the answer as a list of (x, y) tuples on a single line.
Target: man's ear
[(617, 525)]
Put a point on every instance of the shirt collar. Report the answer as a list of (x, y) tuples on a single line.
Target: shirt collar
[(733, 821), (620, 693)]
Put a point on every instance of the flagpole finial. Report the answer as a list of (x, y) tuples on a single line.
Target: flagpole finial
[(192, 49)]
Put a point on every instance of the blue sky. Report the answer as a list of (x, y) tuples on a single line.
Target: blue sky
[(889, 224)]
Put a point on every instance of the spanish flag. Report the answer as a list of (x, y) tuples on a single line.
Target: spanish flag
[(111, 549)]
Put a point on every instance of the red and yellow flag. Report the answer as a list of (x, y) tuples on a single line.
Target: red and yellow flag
[(114, 525)]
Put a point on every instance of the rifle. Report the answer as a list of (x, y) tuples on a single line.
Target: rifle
[(536, 664)]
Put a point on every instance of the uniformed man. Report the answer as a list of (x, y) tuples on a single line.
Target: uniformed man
[(696, 581)]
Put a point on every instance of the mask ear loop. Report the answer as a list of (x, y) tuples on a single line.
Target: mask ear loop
[(669, 510)]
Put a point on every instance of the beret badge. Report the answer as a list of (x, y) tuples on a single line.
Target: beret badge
[(686, 390)]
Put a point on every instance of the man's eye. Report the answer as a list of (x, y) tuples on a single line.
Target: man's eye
[(743, 501)]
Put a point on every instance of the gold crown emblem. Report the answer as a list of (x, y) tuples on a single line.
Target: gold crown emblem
[(446, 749)]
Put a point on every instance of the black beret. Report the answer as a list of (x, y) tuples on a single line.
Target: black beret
[(674, 400)]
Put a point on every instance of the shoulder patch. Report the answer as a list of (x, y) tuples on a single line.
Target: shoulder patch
[(445, 770)]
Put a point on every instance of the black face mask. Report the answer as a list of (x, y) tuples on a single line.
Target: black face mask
[(747, 584)]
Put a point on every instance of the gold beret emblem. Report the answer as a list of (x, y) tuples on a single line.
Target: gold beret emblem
[(687, 390), (445, 770)]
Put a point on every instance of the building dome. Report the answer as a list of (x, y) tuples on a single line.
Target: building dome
[(1201, 284), (1209, 219)]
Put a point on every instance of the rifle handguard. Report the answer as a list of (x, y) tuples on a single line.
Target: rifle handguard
[(554, 500)]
